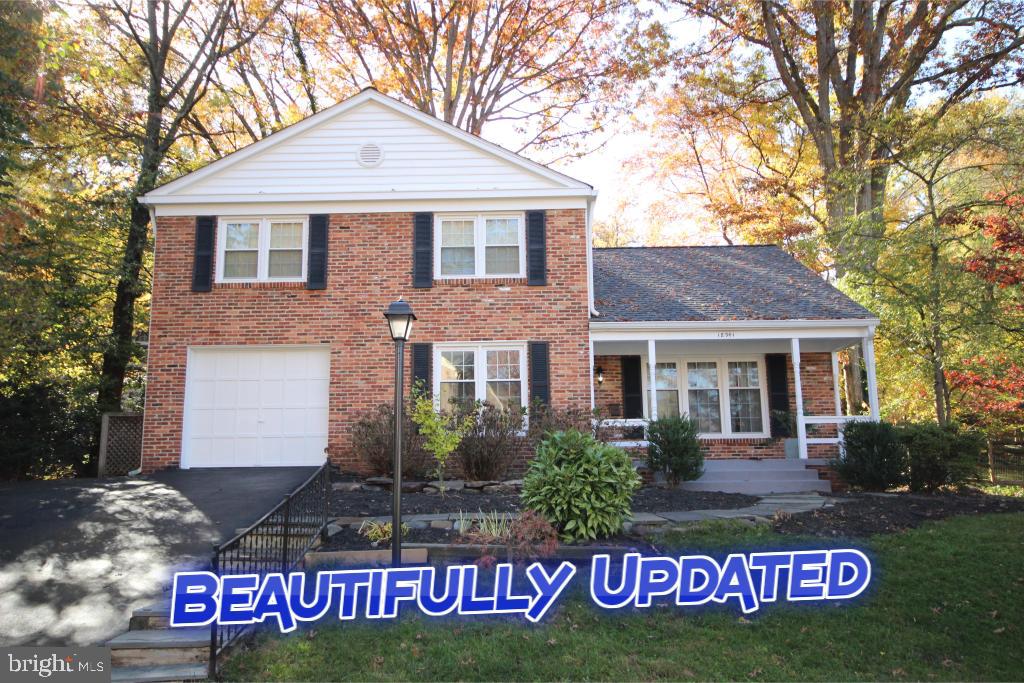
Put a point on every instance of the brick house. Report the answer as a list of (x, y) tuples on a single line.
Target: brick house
[(274, 264)]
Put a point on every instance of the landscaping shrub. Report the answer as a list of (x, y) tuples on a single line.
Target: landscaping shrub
[(673, 448), (488, 448), (939, 456), (580, 485), (45, 432), (546, 420), (875, 458), (373, 441), (531, 537)]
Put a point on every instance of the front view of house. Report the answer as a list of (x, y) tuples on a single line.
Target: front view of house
[(274, 264)]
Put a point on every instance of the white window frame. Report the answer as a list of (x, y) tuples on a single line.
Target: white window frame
[(479, 244), (263, 247), (682, 386), (480, 350)]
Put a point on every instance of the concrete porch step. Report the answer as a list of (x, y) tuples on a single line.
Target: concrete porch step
[(154, 616), (757, 475), (158, 674), (774, 465), (759, 487), (160, 647)]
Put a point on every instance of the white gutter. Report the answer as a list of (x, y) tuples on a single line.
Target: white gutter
[(590, 259)]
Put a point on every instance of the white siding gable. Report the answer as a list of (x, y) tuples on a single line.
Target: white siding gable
[(318, 161)]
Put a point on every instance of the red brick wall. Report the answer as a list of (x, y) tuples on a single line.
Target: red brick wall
[(815, 382), (370, 262)]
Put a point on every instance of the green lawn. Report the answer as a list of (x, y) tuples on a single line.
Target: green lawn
[(947, 604)]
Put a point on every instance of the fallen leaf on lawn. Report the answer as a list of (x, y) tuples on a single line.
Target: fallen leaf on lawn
[(994, 614), (552, 641), (999, 630), (755, 673), (898, 672)]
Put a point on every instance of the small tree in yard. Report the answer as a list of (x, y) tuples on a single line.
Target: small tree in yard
[(442, 432), (673, 448)]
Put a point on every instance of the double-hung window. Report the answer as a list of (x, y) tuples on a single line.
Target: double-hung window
[(480, 245), (727, 397), (491, 373), (262, 249)]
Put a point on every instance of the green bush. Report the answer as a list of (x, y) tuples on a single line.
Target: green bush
[(673, 448), (875, 458), (46, 431), (939, 456), (580, 485)]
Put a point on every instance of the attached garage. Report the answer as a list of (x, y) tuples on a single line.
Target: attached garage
[(256, 406)]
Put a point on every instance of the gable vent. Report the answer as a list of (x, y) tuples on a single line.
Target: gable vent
[(370, 155)]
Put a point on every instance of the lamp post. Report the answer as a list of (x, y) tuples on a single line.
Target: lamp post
[(400, 316)]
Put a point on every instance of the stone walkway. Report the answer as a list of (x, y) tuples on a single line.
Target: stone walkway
[(639, 522)]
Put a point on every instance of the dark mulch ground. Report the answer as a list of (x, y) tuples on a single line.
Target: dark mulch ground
[(349, 539), (866, 514), (647, 499)]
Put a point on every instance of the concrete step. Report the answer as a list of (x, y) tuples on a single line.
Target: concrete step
[(158, 674), (157, 615), (776, 464), (159, 647), (757, 487), (757, 475)]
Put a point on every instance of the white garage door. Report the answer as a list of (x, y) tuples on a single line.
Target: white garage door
[(260, 407)]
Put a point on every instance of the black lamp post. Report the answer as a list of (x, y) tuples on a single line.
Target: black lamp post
[(400, 316)]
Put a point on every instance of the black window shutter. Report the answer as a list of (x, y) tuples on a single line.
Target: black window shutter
[(423, 250), (778, 394), (536, 248), (202, 263), (632, 388), (316, 270), (421, 358), (540, 373)]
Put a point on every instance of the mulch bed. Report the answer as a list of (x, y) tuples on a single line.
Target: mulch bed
[(865, 514), (349, 539), (647, 499)]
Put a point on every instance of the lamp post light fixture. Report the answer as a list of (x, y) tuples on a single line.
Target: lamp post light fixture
[(400, 316)]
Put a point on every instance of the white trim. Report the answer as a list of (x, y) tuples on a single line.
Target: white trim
[(835, 382), (731, 330), (262, 249), (464, 202), (682, 387), (480, 367), (480, 244), (798, 397), (163, 193)]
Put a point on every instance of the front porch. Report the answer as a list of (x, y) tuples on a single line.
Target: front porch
[(758, 389)]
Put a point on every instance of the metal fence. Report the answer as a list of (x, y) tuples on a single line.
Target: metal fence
[(278, 542), (120, 444), (1005, 461)]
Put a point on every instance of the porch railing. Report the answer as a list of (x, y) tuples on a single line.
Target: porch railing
[(277, 542), (640, 425)]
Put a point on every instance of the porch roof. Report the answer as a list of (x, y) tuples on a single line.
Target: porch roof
[(717, 283)]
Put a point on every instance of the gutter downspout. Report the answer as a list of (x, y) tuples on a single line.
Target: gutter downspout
[(590, 258)]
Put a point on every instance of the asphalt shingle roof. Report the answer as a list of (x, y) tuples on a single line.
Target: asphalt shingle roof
[(713, 283)]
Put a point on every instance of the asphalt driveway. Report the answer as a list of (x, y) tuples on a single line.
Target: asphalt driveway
[(77, 556)]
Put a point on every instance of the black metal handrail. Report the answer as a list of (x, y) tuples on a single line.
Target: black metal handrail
[(276, 542)]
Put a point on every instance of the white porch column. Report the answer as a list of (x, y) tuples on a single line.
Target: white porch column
[(869, 361), (652, 360), (835, 383), (798, 396), (593, 402)]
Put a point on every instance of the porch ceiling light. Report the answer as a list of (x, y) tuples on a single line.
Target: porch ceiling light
[(400, 316)]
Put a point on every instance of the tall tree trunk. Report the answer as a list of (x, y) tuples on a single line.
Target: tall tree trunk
[(121, 347)]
